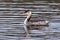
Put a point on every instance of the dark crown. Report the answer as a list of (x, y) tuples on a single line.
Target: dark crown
[(26, 11)]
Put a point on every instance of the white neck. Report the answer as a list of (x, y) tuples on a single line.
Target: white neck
[(26, 20)]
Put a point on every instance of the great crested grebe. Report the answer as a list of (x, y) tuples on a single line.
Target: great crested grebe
[(26, 22)]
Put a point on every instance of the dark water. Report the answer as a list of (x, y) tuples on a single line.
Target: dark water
[(12, 20)]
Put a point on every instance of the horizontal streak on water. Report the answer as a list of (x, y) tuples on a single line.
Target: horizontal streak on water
[(12, 17), (25, 6), (29, 3), (28, 8), (21, 3), (55, 17), (2, 9)]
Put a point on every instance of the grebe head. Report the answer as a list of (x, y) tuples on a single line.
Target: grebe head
[(28, 12)]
